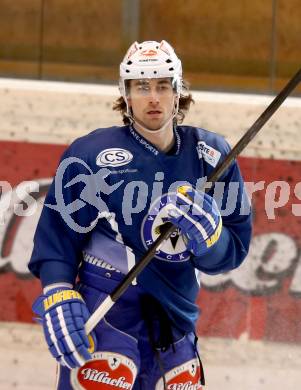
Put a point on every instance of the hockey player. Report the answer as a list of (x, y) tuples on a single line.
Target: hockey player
[(113, 191)]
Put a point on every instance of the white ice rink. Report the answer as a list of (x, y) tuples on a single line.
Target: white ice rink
[(229, 364)]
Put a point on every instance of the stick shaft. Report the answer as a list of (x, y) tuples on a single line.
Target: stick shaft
[(256, 127)]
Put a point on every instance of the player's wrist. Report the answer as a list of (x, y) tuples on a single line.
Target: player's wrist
[(52, 272), (57, 286), (216, 252)]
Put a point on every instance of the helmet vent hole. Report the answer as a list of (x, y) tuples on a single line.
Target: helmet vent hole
[(142, 72), (129, 62), (157, 47), (140, 47), (127, 71), (168, 60), (155, 72), (171, 69)]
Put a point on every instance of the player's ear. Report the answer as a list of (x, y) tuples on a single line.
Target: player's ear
[(175, 100)]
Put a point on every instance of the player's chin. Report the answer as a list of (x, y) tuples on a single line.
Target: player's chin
[(154, 124)]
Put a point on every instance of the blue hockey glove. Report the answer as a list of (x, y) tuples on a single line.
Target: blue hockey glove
[(63, 314), (198, 217)]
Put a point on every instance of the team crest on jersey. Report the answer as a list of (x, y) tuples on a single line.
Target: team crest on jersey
[(107, 370), (187, 376), (173, 249)]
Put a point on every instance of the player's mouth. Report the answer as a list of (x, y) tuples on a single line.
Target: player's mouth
[(154, 113)]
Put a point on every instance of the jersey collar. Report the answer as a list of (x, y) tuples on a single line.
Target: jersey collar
[(149, 147)]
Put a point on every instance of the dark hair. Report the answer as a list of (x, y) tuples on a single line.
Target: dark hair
[(184, 104)]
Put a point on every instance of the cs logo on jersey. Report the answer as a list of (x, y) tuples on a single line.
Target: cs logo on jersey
[(173, 249), (114, 157)]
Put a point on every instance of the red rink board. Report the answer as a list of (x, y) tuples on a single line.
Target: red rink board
[(270, 314), (227, 310)]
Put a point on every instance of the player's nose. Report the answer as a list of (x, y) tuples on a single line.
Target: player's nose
[(154, 96)]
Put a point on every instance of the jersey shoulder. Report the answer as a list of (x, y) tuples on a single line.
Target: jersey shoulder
[(205, 138), (97, 141)]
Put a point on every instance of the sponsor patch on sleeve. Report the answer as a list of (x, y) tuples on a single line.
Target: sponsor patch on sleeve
[(209, 154)]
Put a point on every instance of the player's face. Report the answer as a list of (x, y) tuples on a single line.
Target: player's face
[(152, 101)]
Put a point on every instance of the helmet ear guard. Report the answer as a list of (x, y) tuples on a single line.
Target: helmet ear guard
[(123, 88), (177, 84)]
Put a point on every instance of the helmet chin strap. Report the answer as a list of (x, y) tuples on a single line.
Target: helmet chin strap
[(162, 128)]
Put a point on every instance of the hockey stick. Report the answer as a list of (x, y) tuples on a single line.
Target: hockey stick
[(105, 306)]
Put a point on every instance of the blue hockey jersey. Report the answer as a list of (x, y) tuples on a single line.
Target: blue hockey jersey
[(107, 204)]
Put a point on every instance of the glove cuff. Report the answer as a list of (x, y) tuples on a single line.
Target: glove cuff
[(53, 298), (60, 296), (56, 286)]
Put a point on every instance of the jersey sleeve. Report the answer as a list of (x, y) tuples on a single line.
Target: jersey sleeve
[(63, 227), (233, 244)]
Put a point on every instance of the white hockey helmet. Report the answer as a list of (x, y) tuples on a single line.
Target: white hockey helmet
[(149, 60)]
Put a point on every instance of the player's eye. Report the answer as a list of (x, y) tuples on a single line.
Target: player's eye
[(164, 87), (143, 88)]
